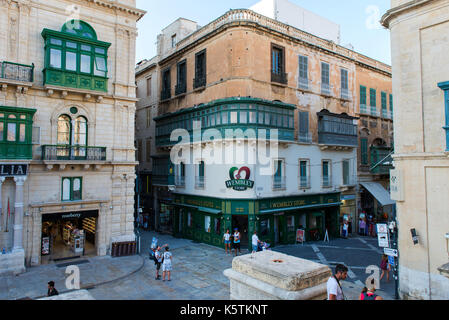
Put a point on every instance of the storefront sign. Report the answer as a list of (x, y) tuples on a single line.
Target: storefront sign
[(396, 185), (69, 215), (237, 182), (8, 170)]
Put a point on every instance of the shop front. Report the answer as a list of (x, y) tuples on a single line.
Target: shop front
[(349, 212), (276, 220), (68, 235)]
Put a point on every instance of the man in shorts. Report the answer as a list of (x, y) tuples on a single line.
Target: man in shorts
[(158, 256)]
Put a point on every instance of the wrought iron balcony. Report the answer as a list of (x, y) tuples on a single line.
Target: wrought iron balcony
[(199, 82), (199, 182), (280, 77), (303, 83), (374, 112), (279, 183), (327, 182), (73, 153), (364, 109), (305, 137), (180, 89), (180, 181), (17, 72), (325, 89), (304, 182), (345, 94)]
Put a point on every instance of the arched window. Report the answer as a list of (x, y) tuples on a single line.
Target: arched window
[(64, 130), (80, 132), (79, 28)]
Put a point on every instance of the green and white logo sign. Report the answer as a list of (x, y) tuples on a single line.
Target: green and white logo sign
[(238, 182)]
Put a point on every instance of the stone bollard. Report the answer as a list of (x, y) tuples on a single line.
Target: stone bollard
[(270, 275)]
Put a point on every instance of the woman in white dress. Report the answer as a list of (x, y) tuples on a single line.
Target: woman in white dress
[(167, 264)]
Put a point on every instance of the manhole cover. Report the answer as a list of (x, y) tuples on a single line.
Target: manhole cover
[(278, 261)]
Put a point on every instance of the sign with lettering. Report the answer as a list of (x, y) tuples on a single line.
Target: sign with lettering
[(300, 235), (9, 170), (69, 216), (238, 182), (391, 252)]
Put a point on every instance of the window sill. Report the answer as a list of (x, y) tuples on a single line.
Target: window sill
[(199, 88)]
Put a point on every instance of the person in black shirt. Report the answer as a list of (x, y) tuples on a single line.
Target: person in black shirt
[(52, 290)]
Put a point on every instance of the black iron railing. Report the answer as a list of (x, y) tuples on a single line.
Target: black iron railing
[(74, 153), (17, 72), (280, 77), (199, 82)]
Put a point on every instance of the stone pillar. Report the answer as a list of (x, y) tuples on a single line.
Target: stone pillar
[(18, 215), (2, 216)]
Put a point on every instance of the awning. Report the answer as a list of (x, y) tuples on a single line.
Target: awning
[(314, 206), (202, 209), (378, 192)]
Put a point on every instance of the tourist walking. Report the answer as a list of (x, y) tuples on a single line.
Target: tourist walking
[(385, 267), (167, 264), (255, 242), (369, 294), (227, 241), (52, 290), (362, 227), (345, 229), (334, 289), (236, 241)]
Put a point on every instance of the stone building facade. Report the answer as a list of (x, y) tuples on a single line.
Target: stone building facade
[(420, 83), (67, 108), (249, 72)]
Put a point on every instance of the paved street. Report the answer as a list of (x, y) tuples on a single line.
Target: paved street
[(197, 271)]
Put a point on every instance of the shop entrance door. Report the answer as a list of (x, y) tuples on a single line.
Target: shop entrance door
[(241, 222)]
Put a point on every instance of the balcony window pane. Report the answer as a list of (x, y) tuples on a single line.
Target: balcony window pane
[(70, 61), (55, 58), (56, 42), (72, 45), (225, 117), (22, 132), (11, 132), (86, 47), (100, 51), (100, 66), (243, 117), (267, 119), (252, 117), (233, 117), (85, 64), (80, 131)]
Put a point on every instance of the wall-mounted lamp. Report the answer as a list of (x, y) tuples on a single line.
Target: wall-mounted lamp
[(415, 236)]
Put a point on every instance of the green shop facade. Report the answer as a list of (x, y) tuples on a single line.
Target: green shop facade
[(276, 220)]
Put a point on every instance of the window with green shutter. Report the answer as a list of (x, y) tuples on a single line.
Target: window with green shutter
[(372, 97), (362, 95), (391, 103), (384, 104), (16, 133)]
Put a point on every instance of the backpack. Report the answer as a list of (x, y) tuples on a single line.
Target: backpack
[(369, 297)]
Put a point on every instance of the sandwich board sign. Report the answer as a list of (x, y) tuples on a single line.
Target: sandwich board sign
[(300, 236)]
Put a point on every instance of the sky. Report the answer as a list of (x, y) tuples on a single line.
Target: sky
[(358, 20)]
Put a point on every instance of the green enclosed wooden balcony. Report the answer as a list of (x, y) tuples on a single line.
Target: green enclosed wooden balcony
[(381, 160), (73, 153), (235, 113), (16, 131)]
